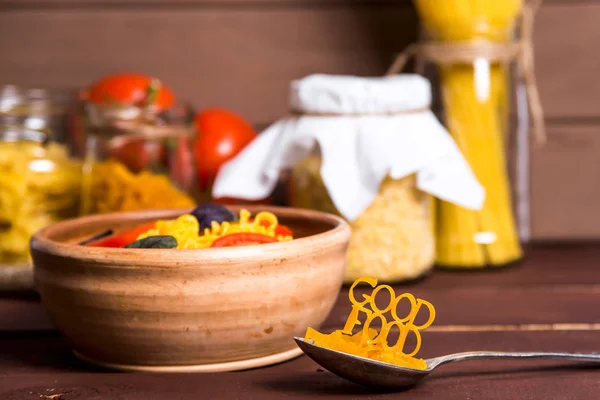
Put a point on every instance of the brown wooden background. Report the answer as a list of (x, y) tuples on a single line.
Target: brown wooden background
[(243, 53)]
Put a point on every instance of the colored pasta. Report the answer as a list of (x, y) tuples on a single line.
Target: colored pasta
[(186, 229)]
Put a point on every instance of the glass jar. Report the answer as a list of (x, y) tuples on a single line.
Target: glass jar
[(477, 97), (39, 109), (393, 239), (39, 185), (370, 150), (138, 161), (40, 181)]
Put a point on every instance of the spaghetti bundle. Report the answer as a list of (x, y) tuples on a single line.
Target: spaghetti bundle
[(475, 103)]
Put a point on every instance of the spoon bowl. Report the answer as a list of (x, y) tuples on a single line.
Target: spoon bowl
[(361, 370), (373, 373)]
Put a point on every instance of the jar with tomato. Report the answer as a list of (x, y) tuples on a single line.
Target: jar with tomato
[(137, 146), (118, 96), (138, 156)]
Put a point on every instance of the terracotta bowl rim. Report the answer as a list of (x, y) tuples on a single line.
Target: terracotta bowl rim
[(41, 241)]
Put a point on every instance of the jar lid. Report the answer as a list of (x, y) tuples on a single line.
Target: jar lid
[(25, 101), (346, 95), (117, 120), (366, 130), (17, 133)]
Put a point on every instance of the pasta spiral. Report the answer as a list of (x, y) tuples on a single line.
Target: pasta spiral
[(393, 239)]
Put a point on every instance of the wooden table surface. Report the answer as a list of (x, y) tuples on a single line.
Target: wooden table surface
[(512, 309)]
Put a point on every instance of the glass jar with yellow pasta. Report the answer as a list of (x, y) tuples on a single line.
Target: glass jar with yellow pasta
[(39, 185), (393, 239), (136, 161), (485, 68)]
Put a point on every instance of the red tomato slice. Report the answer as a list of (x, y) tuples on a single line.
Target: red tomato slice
[(242, 239), (124, 238), (281, 230)]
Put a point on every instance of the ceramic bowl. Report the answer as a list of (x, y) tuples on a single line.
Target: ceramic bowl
[(214, 309)]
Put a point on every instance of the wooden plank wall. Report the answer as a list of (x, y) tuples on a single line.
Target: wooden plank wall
[(243, 53)]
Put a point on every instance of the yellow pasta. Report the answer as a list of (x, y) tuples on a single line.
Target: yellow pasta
[(39, 185), (374, 343), (476, 116), (185, 229), (111, 187), (393, 239)]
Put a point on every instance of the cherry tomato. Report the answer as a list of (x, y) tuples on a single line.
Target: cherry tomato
[(283, 230), (242, 239), (123, 238), (127, 88), (280, 230), (221, 136), (138, 155)]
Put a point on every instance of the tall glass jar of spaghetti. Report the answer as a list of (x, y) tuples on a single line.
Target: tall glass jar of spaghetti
[(137, 159), (483, 54), (370, 150)]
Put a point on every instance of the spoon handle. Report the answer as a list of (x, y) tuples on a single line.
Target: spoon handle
[(434, 362)]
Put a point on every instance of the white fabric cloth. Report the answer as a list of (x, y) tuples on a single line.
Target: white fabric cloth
[(355, 95), (358, 151)]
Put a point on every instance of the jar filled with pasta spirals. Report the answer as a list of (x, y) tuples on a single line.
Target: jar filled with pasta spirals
[(393, 238), (40, 182), (370, 150), (138, 159)]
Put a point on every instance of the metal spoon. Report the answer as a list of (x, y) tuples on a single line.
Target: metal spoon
[(373, 373)]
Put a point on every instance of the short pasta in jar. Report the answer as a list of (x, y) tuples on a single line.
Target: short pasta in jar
[(393, 239), (39, 186), (137, 159)]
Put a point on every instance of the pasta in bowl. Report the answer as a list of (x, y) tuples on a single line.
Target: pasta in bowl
[(262, 229), (209, 225), (214, 308)]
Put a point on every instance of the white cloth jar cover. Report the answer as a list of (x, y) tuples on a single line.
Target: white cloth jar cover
[(366, 129)]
